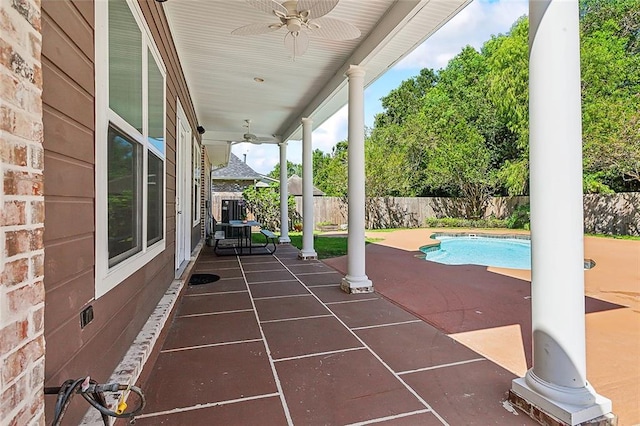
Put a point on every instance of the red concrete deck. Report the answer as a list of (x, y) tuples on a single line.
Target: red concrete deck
[(488, 309), (276, 342)]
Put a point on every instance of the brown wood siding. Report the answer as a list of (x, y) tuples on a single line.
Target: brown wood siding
[(69, 142)]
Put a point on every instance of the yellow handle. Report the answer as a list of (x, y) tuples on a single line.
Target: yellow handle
[(122, 407)]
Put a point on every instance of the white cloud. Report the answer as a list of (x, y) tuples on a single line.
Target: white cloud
[(324, 137), (474, 25), (263, 158), (332, 131)]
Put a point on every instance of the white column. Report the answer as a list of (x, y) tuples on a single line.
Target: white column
[(356, 280), (307, 251), (557, 383), (284, 196)]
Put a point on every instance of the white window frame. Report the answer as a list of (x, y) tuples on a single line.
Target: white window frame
[(197, 181), (106, 278)]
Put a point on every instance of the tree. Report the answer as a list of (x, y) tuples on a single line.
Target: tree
[(406, 99), (264, 203), (624, 13), (508, 78), (460, 163), (464, 130), (385, 169), (292, 169), (321, 161), (458, 160), (330, 171), (610, 93)]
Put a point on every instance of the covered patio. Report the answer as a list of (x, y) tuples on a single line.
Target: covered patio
[(275, 341), (116, 113), (285, 99)]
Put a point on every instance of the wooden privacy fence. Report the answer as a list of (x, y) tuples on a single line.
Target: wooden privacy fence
[(402, 212), (617, 214)]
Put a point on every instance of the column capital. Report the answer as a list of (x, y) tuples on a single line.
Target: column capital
[(307, 121), (355, 71)]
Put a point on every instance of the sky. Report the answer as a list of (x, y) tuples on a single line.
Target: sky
[(473, 26)]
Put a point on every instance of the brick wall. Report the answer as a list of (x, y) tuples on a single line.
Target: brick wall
[(21, 215)]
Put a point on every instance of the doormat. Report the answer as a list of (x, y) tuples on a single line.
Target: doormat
[(197, 279)]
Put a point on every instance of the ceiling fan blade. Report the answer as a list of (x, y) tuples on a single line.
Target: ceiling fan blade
[(268, 6), (261, 139), (333, 29), (317, 8), (297, 44), (254, 29)]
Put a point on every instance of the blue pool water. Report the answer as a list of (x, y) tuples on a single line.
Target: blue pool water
[(500, 252)]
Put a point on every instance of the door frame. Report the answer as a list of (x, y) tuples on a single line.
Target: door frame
[(183, 190)]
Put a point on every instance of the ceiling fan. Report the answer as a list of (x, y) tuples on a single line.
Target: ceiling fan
[(300, 18), (251, 138)]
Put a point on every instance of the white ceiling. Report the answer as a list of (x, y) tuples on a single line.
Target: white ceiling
[(220, 67)]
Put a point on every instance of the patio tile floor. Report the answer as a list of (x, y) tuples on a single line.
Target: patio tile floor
[(414, 345), (280, 288), (297, 306), (214, 302), (208, 329), (308, 336), (449, 389), (188, 377), (221, 286), (343, 388), (283, 344)]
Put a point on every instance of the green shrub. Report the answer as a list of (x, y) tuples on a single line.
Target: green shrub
[(264, 203), (453, 222), (519, 218)]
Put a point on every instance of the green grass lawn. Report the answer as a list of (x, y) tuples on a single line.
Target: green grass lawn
[(326, 247)]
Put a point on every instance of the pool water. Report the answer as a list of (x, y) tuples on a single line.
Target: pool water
[(501, 252)]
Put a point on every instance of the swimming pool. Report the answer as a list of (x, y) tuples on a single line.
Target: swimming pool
[(476, 250)]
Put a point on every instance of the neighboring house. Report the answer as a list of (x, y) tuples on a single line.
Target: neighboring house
[(234, 178), (227, 185), (294, 184)]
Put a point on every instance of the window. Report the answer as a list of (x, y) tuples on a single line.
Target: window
[(197, 182), (130, 144), (124, 196), (155, 199)]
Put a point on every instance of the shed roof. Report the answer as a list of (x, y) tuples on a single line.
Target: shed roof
[(294, 185)]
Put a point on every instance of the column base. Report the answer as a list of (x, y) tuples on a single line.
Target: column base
[(355, 285), (307, 254), (284, 240), (548, 412)]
